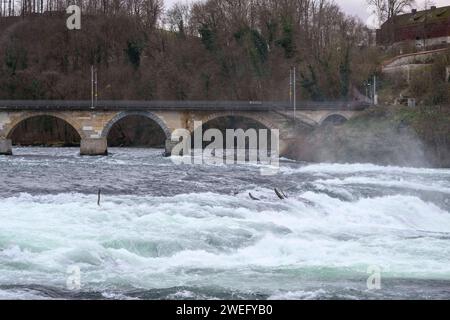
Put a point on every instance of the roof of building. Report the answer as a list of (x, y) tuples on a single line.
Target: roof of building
[(430, 15)]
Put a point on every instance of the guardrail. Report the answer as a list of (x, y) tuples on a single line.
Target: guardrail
[(124, 105)]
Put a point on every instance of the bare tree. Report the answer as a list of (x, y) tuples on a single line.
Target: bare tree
[(427, 4), (178, 17), (387, 9), (151, 10)]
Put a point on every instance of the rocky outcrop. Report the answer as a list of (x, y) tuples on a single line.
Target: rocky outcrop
[(381, 137)]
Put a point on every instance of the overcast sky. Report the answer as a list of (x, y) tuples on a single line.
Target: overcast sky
[(353, 7)]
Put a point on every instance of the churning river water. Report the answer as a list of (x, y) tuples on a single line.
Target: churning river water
[(166, 231)]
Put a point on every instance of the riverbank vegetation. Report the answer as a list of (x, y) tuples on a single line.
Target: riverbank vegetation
[(216, 49)]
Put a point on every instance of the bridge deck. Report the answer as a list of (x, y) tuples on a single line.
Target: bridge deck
[(83, 105)]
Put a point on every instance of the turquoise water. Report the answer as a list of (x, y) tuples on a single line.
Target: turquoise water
[(166, 231)]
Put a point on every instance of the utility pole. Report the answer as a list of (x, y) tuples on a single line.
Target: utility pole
[(293, 90), (375, 96), (290, 86), (92, 87), (295, 93), (96, 87)]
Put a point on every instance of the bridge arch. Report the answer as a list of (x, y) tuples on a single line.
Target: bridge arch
[(248, 115), (333, 118), (149, 115), (15, 124), (235, 120), (61, 116), (262, 120)]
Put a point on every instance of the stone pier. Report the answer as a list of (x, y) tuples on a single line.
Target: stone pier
[(169, 147), (94, 147), (5, 147)]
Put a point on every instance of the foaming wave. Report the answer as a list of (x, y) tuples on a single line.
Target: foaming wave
[(299, 295), (360, 167), (155, 242), (400, 183)]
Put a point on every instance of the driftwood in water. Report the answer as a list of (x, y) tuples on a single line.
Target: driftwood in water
[(252, 197), (99, 195), (280, 194)]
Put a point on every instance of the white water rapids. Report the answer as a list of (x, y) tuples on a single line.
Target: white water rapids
[(185, 232)]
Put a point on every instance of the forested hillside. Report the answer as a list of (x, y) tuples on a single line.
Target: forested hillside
[(216, 49)]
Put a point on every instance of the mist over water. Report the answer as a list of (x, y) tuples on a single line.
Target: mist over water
[(166, 231)]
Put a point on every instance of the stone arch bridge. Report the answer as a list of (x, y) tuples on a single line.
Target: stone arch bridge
[(93, 123)]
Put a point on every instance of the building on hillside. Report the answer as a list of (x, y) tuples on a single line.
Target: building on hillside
[(422, 30)]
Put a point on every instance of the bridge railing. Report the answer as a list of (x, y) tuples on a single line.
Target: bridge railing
[(177, 105)]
